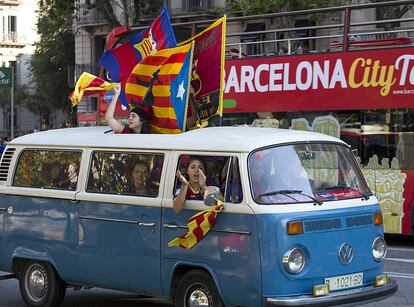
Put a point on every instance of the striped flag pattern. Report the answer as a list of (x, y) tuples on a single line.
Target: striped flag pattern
[(87, 85), (152, 84), (120, 61), (198, 226)]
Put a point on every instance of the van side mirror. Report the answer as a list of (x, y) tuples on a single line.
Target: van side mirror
[(212, 194)]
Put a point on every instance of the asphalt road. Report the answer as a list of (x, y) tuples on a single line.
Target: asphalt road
[(399, 264)]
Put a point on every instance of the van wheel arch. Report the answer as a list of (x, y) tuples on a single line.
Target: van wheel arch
[(197, 283), (40, 283), (180, 271)]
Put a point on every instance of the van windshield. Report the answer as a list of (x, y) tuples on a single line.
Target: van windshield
[(305, 173)]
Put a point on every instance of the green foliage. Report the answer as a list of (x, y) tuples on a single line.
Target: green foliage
[(54, 53), (273, 6)]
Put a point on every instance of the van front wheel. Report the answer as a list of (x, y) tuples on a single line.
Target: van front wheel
[(197, 288), (40, 284)]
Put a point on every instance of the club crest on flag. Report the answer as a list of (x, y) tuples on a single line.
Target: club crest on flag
[(207, 78), (120, 62)]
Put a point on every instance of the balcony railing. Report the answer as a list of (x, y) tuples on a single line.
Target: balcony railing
[(89, 17), (12, 38), (10, 2), (184, 7)]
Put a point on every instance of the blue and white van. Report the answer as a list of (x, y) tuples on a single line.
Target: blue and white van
[(299, 224)]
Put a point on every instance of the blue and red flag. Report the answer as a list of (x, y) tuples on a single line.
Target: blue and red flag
[(120, 62)]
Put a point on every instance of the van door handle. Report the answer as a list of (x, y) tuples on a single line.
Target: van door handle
[(3, 209), (171, 226), (146, 224)]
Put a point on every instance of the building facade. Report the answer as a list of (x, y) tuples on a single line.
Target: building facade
[(18, 35)]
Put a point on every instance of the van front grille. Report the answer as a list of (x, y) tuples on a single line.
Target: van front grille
[(336, 223), (360, 220), (5, 163), (320, 225)]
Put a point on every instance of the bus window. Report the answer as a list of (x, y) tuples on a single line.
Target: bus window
[(48, 169), (125, 173)]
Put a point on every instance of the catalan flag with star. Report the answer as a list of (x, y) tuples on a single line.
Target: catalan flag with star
[(198, 226), (160, 82)]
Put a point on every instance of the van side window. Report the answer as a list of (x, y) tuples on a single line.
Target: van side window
[(48, 169), (232, 182), (222, 172), (125, 173)]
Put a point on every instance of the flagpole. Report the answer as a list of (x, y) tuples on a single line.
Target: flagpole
[(188, 87)]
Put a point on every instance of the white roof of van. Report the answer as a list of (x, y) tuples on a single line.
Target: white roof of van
[(238, 139)]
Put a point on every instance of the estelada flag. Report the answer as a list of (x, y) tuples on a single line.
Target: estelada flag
[(161, 82), (120, 61), (208, 69), (87, 85)]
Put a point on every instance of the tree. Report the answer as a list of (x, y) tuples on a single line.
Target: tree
[(133, 11), (53, 55), (272, 6)]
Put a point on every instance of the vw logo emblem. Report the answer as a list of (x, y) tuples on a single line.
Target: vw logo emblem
[(345, 253)]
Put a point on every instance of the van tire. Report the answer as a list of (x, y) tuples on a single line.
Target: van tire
[(40, 284), (195, 284)]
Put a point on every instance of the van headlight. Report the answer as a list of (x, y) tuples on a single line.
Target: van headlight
[(294, 260), (379, 249)]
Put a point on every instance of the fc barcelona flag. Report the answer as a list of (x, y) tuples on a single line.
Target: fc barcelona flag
[(207, 78), (161, 82), (88, 85), (120, 61)]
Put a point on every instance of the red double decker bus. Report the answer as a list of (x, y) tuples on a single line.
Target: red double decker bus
[(356, 84)]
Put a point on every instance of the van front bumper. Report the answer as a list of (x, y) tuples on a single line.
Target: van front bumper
[(364, 294)]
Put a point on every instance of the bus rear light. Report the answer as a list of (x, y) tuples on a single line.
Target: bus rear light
[(377, 218), (294, 228)]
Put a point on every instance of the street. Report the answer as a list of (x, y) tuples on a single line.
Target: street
[(399, 264)]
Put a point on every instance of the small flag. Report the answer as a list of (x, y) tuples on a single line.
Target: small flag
[(198, 226), (87, 85)]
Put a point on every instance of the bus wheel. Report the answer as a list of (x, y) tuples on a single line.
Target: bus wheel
[(197, 288), (40, 284)]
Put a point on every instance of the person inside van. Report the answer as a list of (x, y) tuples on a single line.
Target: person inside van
[(190, 187), (142, 186), (138, 119)]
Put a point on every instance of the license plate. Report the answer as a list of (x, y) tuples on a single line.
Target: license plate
[(344, 281)]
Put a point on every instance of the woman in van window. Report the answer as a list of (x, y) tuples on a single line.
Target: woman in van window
[(193, 187), (138, 119), (142, 186)]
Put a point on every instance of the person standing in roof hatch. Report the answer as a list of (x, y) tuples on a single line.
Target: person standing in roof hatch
[(138, 119)]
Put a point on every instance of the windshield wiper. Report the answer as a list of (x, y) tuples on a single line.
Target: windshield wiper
[(341, 186), (286, 192)]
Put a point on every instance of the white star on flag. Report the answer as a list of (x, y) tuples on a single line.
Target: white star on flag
[(181, 91)]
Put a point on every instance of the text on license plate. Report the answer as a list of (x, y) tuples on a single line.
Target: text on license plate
[(344, 281)]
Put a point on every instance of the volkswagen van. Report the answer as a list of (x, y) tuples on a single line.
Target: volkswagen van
[(299, 224)]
